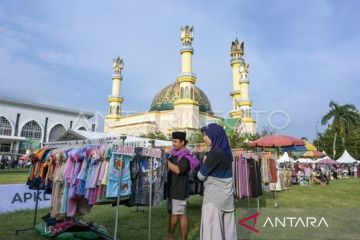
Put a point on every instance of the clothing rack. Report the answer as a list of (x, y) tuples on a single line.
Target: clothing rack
[(35, 216), (108, 140), (35, 213), (115, 141)]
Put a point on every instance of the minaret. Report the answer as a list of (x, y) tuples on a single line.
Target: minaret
[(115, 100), (186, 107), (244, 103), (186, 78), (237, 51)]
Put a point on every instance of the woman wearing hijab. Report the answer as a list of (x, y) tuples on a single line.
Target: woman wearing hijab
[(217, 214)]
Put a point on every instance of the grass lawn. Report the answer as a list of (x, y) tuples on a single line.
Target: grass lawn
[(343, 194), (9, 176)]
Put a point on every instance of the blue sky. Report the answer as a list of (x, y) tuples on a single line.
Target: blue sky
[(302, 54)]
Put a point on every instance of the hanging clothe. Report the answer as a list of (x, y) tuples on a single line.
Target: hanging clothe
[(255, 178), (140, 176), (119, 163)]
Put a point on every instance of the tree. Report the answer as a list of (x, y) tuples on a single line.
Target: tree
[(342, 118), (266, 131), (196, 137), (237, 140), (325, 141), (157, 134)]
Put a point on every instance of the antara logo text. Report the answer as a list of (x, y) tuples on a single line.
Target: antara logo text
[(292, 222), (284, 222)]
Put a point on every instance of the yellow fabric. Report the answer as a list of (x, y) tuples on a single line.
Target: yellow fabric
[(106, 175), (309, 146)]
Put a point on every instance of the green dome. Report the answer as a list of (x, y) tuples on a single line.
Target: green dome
[(165, 99)]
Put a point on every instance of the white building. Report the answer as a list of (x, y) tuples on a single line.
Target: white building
[(23, 124)]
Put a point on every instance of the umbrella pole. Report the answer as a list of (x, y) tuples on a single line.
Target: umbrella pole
[(276, 204)]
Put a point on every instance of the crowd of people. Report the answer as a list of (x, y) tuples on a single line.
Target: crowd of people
[(11, 161), (313, 173)]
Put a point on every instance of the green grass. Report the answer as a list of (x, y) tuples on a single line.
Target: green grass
[(13, 176), (344, 194)]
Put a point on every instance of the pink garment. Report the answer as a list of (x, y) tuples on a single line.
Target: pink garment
[(96, 175), (92, 195), (102, 173), (87, 194), (69, 168), (99, 193), (72, 204)]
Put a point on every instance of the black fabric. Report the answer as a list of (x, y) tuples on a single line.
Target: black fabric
[(48, 187), (51, 221), (140, 187), (199, 185), (35, 183), (178, 185), (217, 164), (255, 178)]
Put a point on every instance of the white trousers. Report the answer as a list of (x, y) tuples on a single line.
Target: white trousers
[(217, 224)]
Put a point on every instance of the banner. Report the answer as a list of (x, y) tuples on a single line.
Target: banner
[(16, 197)]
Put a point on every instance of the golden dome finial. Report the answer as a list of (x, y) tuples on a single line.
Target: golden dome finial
[(237, 49), (187, 35), (118, 65)]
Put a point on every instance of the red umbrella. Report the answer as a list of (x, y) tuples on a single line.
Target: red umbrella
[(327, 161), (277, 141)]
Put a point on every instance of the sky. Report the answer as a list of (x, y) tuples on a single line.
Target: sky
[(302, 54)]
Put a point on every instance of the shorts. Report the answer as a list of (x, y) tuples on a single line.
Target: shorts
[(177, 207)]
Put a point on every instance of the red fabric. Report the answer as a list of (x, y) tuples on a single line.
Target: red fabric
[(277, 141), (272, 168)]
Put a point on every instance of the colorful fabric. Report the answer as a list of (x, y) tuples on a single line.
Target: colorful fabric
[(116, 177)]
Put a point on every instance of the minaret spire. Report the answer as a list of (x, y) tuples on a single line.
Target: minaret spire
[(115, 100), (186, 107), (186, 78), (236, 54), (240, 94)]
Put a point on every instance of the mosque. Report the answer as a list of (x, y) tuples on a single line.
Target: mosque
[(182, 106)]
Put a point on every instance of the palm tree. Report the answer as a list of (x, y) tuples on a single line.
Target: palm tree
[(343, 117)]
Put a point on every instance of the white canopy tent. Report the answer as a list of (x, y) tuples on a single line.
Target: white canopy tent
[(285, 158), (346, 158), (305, 160)]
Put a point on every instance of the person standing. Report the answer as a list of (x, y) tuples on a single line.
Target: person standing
[(179, 167), (218, 212)]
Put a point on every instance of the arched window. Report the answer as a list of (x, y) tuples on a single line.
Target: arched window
[(182, 93), (56, 132), (5, 126), (187, 93), (192, 93), (31, 130), (82, 128)]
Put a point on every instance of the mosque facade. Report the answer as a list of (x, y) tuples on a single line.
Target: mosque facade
[(182, 106)]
